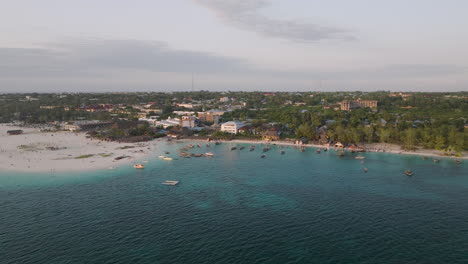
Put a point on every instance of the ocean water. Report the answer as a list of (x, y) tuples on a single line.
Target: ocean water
[(236, 207)]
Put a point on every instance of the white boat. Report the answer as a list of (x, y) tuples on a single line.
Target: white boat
[(209, 154), (360, 157), (167, 158), (139, 166), (161, 156), (172, 183)]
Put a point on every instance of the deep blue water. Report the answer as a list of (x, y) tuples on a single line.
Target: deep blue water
[(239, 208)]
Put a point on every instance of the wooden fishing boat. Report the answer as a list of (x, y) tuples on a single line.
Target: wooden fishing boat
[(139, 166), (171, 183)]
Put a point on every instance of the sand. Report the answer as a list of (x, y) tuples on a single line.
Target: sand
[(36, 151)]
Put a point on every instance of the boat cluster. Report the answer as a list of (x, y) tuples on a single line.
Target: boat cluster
[(184, 152)]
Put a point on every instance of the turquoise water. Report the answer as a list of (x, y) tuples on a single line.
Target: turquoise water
[(235, 207)]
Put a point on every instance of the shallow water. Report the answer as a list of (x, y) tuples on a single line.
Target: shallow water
[(235, 207)]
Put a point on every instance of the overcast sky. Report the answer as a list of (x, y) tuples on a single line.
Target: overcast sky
[(288, 45)]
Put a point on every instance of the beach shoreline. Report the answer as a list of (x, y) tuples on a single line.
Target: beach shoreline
[(373, 147), (64, 151), (49, 152)]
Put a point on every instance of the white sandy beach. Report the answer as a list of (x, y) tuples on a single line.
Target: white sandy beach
[(36, 151)]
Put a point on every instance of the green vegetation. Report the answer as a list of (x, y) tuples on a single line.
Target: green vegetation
[(126, 147), (85, 156), (429, 120)]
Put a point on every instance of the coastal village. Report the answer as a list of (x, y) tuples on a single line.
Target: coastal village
[(354, 122)]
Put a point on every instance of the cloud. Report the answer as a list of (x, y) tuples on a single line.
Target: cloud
[(119, 64), (92, 56), (245, 15), (417, 70)]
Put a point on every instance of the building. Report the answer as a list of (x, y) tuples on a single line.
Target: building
[(188, 121), (211, 116), (405, 96), (182, 113), (224, 99), (96, 108), (189, 106), (271, 135), (348, 105), (232, 127), (150, 110), (169, 122), (48, 106), (152, 120)]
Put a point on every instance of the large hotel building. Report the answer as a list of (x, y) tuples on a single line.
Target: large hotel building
[(349, 105)]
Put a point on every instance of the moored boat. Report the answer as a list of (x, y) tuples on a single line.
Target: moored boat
[(233, 148), (359, 157), (172, 183), (139, 166), (409, 173)]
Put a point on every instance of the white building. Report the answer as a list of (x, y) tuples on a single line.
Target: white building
[(188, 121), (168, 122), (181, 113), (152, 120), (232, 126), (189, 106), (224, 99)]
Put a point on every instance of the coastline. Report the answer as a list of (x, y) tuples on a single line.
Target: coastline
[(50, 152), (373, 147), (64, 151)]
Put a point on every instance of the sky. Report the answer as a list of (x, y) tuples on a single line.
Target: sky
[(231, 45)]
